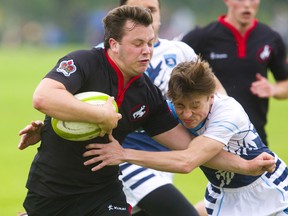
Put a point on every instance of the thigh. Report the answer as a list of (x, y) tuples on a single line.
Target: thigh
[(107, 202), (115, 206), (167, 200), (141, 213), (37, 205)]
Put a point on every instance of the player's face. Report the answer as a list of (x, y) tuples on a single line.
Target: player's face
[(242, 12), (134, 51), (193, 110), (153, 5)]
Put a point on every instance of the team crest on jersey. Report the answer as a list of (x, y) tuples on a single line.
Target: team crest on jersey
[(170, 60), (66, 67), (264, 53), (138, 112)]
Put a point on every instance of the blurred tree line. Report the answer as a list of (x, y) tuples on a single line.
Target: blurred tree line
[(54, 22)]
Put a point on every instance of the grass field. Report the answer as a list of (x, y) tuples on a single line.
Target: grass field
[(21, 70)]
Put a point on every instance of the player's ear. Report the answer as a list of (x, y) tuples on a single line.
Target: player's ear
[(114, 45)]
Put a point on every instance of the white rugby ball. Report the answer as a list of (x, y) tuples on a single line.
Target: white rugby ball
[(81, 131)]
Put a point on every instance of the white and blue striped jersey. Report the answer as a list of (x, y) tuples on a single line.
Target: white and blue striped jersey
[(228, 123), (229, 193)]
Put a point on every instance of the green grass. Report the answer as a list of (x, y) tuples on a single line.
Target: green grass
[(21, 71)]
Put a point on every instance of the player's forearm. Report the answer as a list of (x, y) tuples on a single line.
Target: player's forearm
[(176, 161), (229, 162), (281, 90), (181, 161), (52, 99)]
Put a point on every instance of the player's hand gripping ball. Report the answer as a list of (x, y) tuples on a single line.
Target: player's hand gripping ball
[(81, 131)]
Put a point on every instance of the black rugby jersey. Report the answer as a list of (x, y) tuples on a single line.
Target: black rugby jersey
[(236, 60), (58, 167)]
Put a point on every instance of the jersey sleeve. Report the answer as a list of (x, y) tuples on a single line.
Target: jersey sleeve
[(278, 64), (226, 120), (188, 52), (71, 71), (194, 39), (161, 120)]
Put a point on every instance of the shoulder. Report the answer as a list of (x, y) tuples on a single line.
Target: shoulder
[(83, 54), (265, 29), (228, 109), (225, 102), (199, 31), (181, 49), (173, 44), (82, 60), (264, 33), (198, 36)]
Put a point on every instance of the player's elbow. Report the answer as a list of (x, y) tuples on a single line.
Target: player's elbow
[(186, 166), (38, 101)]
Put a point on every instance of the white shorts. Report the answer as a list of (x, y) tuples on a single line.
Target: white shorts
[(139, 181), (260, 198)]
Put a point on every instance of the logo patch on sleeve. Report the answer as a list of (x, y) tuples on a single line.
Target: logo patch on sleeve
[(264, 53), (67, 67)]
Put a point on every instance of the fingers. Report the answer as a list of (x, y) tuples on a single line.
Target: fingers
[(92, 146), (25, 130), (102, 133), (37, 123), (259, 76), (267, 156), (21, 144), (119, 117), (268, 162), (92, 161), (111, 138), (110, 100), (22, 214), (97, 159), (98, 167), (271, 169)]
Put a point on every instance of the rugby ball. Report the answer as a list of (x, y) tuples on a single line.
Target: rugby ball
[(81, 131)]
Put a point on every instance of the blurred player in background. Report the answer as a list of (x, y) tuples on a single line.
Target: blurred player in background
[(241, 50)]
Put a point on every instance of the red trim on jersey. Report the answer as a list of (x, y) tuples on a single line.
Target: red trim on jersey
[(240, 40), (121, 88)]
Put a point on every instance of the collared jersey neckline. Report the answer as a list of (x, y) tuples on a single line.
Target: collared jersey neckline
[(121, 88), (240, 40)]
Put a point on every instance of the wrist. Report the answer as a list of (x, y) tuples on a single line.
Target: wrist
[(127, 155), (243, 167)]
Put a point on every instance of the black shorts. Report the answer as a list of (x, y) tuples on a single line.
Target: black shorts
[(87, 204)]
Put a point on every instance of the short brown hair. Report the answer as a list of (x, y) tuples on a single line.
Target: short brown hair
[(191, 78), (124, 2), (116, 19)]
